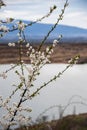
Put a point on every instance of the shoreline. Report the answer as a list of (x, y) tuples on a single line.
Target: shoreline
[(62, 53)]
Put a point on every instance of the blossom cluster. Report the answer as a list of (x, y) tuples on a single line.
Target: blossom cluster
[(11, 44), (2, 3), (74, 60), (3, 75), (4, 28), (10, 113), (37, 60), (21, 25)]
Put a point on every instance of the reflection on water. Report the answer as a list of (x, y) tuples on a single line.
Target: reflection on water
[(72, 82)]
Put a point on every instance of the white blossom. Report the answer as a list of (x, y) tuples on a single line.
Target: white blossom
[(27, 45), (3, 75), (21, 25), (60, 36), (11, 44), (47, 49), (8, 20), (4, 28), (55, 42)]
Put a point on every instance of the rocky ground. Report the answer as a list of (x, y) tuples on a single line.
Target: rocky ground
[(71, 122)]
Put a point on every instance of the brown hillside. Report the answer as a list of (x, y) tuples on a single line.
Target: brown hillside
[(62, 53)]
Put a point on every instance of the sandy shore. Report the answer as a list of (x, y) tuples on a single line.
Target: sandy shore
[(62, 53)]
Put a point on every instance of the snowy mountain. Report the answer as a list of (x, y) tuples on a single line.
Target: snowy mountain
[(36, 33)]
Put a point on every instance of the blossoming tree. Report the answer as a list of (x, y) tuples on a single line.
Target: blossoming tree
[(37, 58)]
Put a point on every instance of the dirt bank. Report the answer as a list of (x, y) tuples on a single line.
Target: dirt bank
[(62, 53)]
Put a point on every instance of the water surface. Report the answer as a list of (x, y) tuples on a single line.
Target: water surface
[(72, 82)]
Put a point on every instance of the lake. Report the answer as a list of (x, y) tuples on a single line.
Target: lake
[(72, 82)]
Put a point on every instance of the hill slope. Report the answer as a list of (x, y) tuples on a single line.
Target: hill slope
[(37, 32)]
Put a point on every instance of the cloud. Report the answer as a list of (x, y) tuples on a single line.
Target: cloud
[(13, 14), (25, 15), (12, 2), (75, 19), (34, 9), (74, 14), (24, 10), (18, 2)]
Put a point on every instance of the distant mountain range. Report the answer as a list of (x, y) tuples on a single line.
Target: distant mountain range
[(36, 33)]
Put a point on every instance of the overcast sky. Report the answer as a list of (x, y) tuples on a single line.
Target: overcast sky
[(75, 14)]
